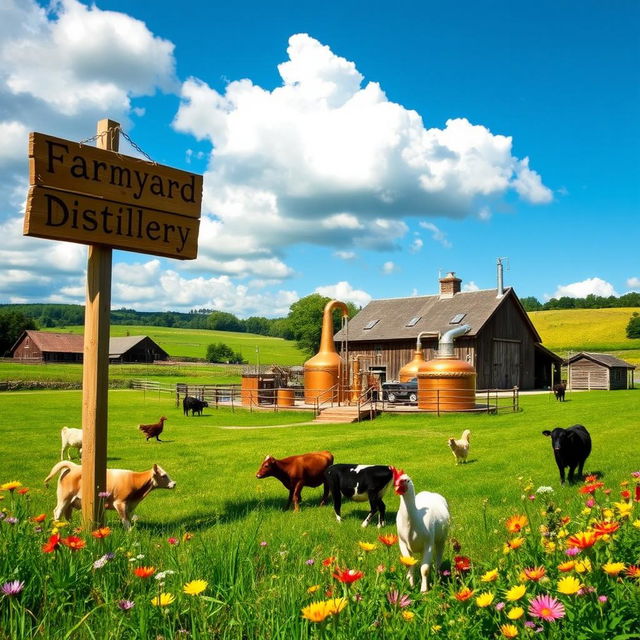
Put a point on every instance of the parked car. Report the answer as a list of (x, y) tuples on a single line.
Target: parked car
[(395, 391)]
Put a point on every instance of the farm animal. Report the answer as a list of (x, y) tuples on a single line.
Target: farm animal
[(295, 472), (71, 438), (559, 390), (153, 430), (125, 488), (195, 405), (360, 482), (423, 525), (571, 447), (460, 448)]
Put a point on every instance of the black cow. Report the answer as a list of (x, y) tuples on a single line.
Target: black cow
[(559, 390), (571, 447), (360, 482), (193, 404)]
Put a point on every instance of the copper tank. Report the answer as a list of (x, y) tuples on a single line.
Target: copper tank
[(411, 369), (447, 383), (323, 374)]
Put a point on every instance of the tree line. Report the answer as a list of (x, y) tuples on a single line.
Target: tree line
[(591, 301)]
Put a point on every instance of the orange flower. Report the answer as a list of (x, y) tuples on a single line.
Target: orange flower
[(534, 573), (464, 594), (23, 491), (144, 572), (389, 540), (515, 543), (590, 479), (633, 571), (582, 539), (327, 562), (515, 524), (41, 518), (591, 488), (347, 576), (103, 532), (605, 528), (73, 542), (52, 544), (564, 567)]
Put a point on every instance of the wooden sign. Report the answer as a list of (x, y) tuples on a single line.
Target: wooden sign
[(95, 196)]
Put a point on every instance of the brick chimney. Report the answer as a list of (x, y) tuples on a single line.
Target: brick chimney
[(449, 285)]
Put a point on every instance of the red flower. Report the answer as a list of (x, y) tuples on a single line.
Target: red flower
[(591, 488), (389, 540), (103, 532), (52, 544), (73, 542), (626, 494), (348, 576), (637, 495), (583, 539), (633, 571), (605, 528), (173, 541), (327, 562), (144, 572), (462, 563), (41, 518), (23, 491)]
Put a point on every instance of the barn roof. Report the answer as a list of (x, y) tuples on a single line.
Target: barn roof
[(601, 358), (405, 318)]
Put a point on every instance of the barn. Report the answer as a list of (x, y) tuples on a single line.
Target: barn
[(43, 346), (503, 345), (599, 371)]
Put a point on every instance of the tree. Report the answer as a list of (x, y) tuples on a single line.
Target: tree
[(257, 324), (531, 303), (221, 352), (12, 324), (633, 328), (223, 321)]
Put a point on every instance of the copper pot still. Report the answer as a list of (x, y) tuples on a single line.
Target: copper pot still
[(325, 373)]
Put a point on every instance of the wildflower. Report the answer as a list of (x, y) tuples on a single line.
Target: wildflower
[(398, 600), (500, 606), (264, 543), (126, 605), (583, 539), (590, 503), (534, 573), (163, 600), (605, 528), (102, 532), (544, 490), (408, 615), (52, 544), (572, 551), (591, 488), (564, 567), (515, 524), (173, 541), (39, 518), (515, 593), (514, 543), (367, 546), (12, 588), (310, 561), (624, 508), (490, 576), (633, 571), (11, 520), (484, 599), (319, 611), (10, 486), (408, 561), (625, 494), (583, 566), (313, 588), (462, 563), (613, 568), (546, 608), (329, 561), (464, 594), (569, 585), (144, 572), (347, 576), (436, 627), (195, 587), (163, 574), (509, 630), (73, 542), (101, 561), (23, 491), (636, 523), (515, 613)]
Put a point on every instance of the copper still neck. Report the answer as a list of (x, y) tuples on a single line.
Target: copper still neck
[(326, 339)]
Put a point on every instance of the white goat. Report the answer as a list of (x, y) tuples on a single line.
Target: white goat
[(460, 448), (423, 526), (70, 438)]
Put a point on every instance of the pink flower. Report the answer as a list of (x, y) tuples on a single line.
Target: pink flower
[(547, 608), (572, 551), (173, 541), (397, 599), (590, 503)]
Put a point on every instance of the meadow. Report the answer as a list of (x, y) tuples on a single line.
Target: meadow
[(270, 573)]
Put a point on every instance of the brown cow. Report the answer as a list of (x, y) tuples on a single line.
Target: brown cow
[(295, 472)]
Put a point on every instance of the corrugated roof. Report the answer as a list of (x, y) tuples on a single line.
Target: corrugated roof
[(435, 314), (602, 358), (118, 346)]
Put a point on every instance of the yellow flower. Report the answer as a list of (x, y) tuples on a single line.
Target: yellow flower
[(367, 546), (10, 486), (613, 568), (509, 630), (490, 576), (408, 615), (316, 611), (195, 587), (515, 613), (516, 523), (607, 514), (583, 566), (515, 593), (636, 524), (624, 508), (567, 566), (515, 543), (163, 600), (484, 599), (336, 605), (436, 627), (313, 588), (408, 561), (569, 585)]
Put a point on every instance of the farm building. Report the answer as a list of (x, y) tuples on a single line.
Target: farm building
[(503, 345), (599, 371), (42, 346)]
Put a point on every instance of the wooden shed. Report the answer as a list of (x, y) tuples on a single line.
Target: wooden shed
[(599, 371), (503, 345)]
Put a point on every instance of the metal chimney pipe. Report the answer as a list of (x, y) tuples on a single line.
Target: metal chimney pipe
[(445, 345), (424, 333), (500, 279)]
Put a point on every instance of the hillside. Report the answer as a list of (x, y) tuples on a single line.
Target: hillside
[(601, 330)]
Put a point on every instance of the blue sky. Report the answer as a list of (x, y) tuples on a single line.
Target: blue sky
[(353, 149)]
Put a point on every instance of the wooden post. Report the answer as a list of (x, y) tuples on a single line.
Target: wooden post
[(95, 369)]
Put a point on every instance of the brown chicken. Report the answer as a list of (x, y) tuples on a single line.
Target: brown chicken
[(153, 430)]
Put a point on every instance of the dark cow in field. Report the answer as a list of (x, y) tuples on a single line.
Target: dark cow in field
[(360, 482), (559, 391), (189, 403), (571, 447), (295, 472)]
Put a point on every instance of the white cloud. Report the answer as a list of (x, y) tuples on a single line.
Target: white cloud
[(14, 136), (389, 267), (633, 283), (595, 286), (416, 244), (345, 255), (345, 292), (437, 234), (470, 286)]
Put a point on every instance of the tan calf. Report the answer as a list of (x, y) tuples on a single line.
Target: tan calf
[(126, 489)]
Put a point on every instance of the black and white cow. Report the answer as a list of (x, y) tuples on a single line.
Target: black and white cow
[(571, 447), (360, 482), (193, 404)]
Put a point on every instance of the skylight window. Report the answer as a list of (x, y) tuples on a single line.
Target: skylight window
[(457, 319), (371, 324), (413, 322)]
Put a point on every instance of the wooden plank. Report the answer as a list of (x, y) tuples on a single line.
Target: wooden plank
[(70, 166), (63, 215)]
